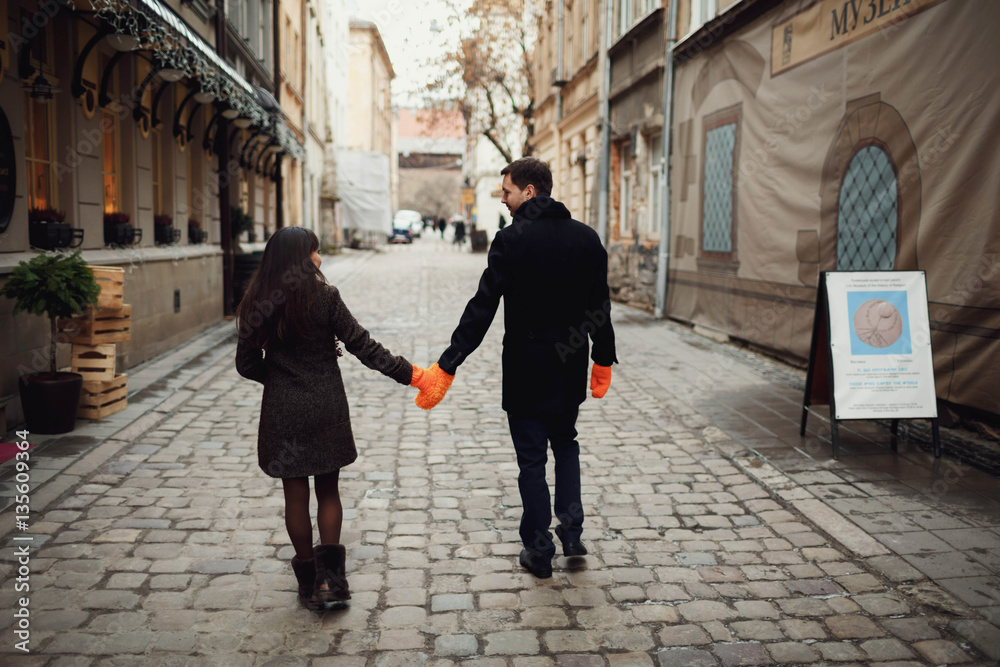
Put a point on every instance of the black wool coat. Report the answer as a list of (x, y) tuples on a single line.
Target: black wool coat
[(552, 273), (305, 421)]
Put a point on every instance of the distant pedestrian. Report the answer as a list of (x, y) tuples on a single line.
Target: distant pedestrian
[(503, 221), (551, 272), (289, 324), (441, 226), (460, 232)]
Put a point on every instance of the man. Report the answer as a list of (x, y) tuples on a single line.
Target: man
[(552, 273)]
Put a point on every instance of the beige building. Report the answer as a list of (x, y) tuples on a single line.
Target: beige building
[(567, 81), (370, 119), (367, 173)]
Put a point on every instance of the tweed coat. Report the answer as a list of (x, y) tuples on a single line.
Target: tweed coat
[(552, 273), (305, 422)]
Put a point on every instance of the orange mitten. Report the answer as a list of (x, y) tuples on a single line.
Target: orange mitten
[(433, 384), (600, 380)]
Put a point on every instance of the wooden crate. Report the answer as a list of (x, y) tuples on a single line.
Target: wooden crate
[(100, 399), (99, 326), (96, 363), (112, 282)]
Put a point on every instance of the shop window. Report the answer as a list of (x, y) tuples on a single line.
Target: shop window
[(719, 185), (111, 151), (868, 212), (39, 132)]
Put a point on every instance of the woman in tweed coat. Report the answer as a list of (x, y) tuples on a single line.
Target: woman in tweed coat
[(289, 322)]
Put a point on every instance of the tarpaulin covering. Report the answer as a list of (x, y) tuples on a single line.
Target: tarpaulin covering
[(823, 138), (364, 186)]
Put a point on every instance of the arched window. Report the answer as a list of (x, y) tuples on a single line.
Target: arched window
[(868, 212)]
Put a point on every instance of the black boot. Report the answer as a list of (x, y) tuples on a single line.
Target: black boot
[(305, 574), (331, 588)]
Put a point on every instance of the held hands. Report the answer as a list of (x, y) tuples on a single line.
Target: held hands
[(600, 380), (433, 384)]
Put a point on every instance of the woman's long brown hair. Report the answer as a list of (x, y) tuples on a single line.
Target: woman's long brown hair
[(282, 290)]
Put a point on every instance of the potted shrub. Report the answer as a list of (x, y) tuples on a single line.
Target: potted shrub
[(48, 229), (240, 222), (195, 233), (163, 230), (54, 285), (118, 231)]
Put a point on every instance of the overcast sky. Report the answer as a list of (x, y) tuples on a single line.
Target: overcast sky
[(407, 30)]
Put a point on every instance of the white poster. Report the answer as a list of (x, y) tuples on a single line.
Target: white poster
[(880, 344)]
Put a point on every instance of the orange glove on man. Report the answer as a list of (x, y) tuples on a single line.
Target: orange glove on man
[(433, 384), (600, 380)]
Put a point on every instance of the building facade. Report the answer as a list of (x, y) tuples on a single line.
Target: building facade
[(431, 147), (637, 59), (805, 142), (142, 125), (336, 63), (567, 81)]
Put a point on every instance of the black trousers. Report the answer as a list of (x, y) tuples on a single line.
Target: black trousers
[(531, 436)]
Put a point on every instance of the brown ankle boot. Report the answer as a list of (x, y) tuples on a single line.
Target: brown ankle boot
[(331, 588), (305, 574)]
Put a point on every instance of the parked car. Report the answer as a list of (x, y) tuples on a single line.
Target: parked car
[(408, 219), (400, 235)]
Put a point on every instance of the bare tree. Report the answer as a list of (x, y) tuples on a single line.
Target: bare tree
[(490, 76)]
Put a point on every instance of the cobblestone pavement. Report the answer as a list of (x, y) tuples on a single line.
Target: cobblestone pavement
[(170, 548)]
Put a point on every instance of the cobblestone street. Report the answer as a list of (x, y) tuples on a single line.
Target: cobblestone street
[(716, 535)]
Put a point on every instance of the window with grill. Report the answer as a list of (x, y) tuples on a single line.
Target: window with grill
[(868, 212), (717, 190)]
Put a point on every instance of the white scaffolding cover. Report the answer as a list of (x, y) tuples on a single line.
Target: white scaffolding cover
[(364, 186)]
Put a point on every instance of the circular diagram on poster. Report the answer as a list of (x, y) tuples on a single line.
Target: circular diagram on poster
[(878, 323)]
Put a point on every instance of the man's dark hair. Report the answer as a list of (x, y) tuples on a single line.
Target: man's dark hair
[(530, 171)]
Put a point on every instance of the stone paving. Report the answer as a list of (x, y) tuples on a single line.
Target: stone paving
[(170, 549)]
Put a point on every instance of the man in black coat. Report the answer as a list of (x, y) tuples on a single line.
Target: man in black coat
[(552, 273)]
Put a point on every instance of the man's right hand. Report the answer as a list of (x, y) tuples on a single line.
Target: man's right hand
[(433, 384), (600, 380)]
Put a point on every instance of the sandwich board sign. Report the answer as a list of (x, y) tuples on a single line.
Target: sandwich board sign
[(871, 347)]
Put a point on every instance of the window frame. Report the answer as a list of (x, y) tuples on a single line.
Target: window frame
[(116, 148), (655, 198), (156, 169), (708, 259), (48, 161), (625, 184), (882, 146)]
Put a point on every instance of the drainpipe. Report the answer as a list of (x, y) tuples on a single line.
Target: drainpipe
[(605, 121), (663, 265), (559, 65), (222, 149), (279, 195), (558, 162)]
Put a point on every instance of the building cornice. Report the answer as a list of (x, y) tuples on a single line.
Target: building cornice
[(716, 30), (588, 103), (632, 35)]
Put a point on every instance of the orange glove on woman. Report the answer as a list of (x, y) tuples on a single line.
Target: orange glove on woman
[(433, 384), (600, 380)]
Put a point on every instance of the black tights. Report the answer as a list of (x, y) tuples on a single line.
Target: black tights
[(329, 516)]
